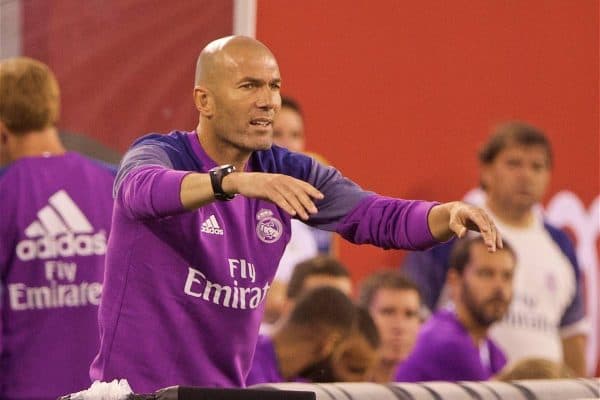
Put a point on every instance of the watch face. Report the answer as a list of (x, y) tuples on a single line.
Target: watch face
[(227, 168)]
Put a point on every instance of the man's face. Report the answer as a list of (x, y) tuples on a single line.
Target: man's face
[(486, 284), (288, 130), (396, 314), (518, 177), (353, 359), (246, 99)]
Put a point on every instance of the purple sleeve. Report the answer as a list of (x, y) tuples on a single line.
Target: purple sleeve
[(1, 317), (146, 184), (497, 358), (152, 192), (389, 223), (575, 312), (364, 217)]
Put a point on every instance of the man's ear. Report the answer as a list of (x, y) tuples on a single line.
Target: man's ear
[(203, 101), (453, 281), (328, 343), (3, 134), (485, 175)]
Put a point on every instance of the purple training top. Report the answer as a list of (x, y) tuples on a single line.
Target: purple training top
[(184, 291), (446, 352), (54, 222), (265, 367)]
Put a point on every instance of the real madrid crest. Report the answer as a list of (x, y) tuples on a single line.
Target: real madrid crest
[(268, 228)]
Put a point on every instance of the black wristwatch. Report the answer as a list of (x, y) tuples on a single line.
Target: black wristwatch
[(216, 178)]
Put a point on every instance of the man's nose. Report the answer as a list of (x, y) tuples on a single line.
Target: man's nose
[(267, 98), (502, 289)]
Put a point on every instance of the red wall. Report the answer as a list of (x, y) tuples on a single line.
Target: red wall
[(125, 67), (399, 95)]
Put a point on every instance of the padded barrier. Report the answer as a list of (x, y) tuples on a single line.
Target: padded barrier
[(559, 389)]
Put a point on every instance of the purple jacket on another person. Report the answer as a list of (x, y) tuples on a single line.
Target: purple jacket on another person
[(446, 352)]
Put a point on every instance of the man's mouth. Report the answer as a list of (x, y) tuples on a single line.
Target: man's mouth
[(264, 122)]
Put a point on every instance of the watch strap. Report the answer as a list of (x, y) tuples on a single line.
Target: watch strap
[(216, 179)]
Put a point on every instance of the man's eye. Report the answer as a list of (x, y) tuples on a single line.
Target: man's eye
[(248, 85), (537, 167), (485, 273)]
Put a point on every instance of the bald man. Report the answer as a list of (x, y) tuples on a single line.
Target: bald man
[(201, 220)]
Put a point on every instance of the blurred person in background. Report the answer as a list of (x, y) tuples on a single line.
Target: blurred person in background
[(55, 220), (354, 359), (319, 321), (547, 317), (395, 305), (318, 271), (453, 345), (315, 272), (535, 368)]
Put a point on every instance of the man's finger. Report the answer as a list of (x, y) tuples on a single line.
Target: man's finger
[(311, 190), (499, 242), (489, 235), (305, 200), (457, 227), (280, 201), (482, 223), (293, 201)]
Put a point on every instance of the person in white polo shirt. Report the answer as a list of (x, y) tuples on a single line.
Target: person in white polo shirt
[(547, 316)]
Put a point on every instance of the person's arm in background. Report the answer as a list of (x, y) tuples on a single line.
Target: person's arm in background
[(574, 325), (574, 353)]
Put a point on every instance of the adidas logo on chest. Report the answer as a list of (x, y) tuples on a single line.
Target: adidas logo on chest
[(211, 226), (60, 230)]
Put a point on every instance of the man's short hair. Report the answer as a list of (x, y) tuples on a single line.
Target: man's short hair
[(511, 133), (535, 368), (319, 265), (324, 307), (288, 102), (460, 255), (386, 279), (29, 95)]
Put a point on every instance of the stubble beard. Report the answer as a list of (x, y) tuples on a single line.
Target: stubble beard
[(476, 310)]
